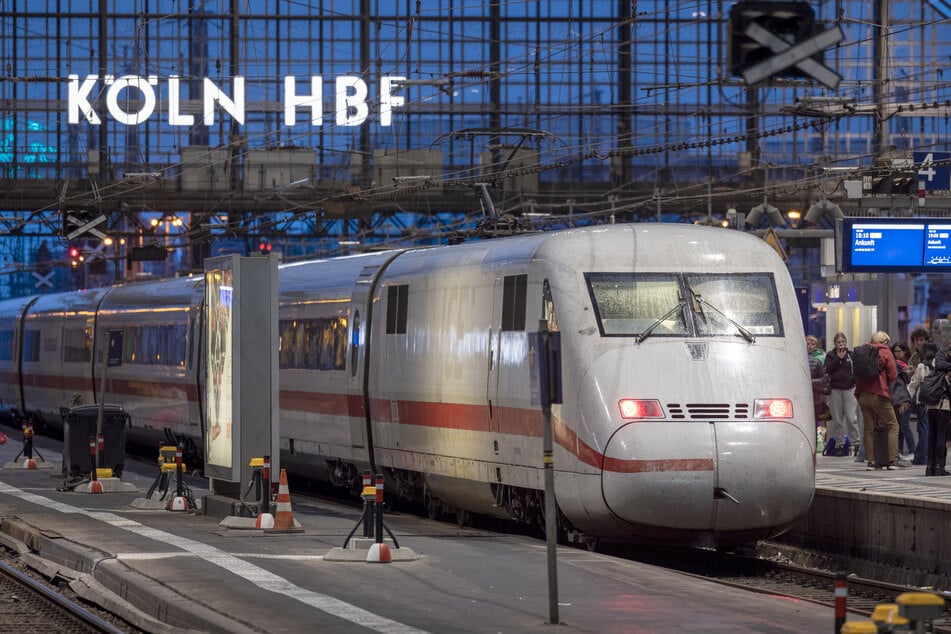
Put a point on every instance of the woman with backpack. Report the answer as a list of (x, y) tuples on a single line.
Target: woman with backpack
[(903, 406), (843, 428), (939, 406)]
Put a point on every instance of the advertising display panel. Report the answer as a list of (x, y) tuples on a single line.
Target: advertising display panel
[(240, 366)]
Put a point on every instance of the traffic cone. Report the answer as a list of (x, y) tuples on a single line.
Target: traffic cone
[(94, 486), (379, 554), (29, 463), (265, 520), (3, 438), (284, 518)]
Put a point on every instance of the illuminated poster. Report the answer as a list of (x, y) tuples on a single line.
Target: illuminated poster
[(219, 355), (240, 378)]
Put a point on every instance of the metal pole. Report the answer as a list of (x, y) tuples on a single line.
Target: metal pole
[(549, 463), (99, 415), (266, 475), (179, 489), (379, 508)]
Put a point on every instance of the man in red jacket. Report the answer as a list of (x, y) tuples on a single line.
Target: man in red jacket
[(876, 404)]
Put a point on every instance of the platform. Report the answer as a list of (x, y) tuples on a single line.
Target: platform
[(184, 570), (897, 518)]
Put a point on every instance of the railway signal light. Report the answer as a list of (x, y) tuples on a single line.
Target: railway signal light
[(264, 247), (76, 256)]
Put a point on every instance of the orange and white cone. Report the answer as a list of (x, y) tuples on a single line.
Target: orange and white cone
[(29, 463), (379, 554), (265, 520), (94, 486), (284, 517), (178, 503)]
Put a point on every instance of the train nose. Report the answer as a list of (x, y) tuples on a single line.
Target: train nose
[(703, 458), (708, 476)]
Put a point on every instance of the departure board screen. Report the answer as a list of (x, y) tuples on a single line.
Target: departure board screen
[(882, 245)]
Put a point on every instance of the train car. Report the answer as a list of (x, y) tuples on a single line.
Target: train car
[(11, 347), (686, 409), (324, 307), (156, 380), (57, 353)]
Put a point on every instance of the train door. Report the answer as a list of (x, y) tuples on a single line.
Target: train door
[(492, 385), (356, 356), (507, 352)]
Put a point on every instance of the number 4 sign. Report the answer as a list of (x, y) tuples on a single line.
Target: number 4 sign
[(933, 169)]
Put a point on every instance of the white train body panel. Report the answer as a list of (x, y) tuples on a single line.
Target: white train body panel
[(11, 342), (156, 382), (58, 337), (323, 414), (417, 363)]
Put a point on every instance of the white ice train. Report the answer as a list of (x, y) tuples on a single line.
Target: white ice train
[(687, 406)]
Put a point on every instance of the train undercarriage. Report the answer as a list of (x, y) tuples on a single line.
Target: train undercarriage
[(410, 489)]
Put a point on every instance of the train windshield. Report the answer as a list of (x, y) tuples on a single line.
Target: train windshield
[(685, 305)]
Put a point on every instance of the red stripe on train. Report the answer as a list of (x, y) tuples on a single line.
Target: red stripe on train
[(455, 416), (657, 466)]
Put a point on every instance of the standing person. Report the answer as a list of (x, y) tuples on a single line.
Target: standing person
[(814, 348), (876, 404), (842, 403), (919, 337), (903, 412), (820, 384), (939, 419)]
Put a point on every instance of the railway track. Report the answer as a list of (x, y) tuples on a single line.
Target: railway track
[(786, 579), (28, 605)]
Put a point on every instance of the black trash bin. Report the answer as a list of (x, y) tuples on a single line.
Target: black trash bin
[(80, 426)]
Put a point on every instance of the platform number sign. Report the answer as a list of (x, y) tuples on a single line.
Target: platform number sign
[(933, 169)]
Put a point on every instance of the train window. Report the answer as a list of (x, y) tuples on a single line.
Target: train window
[(289, 345), (656, 304), (313, 344), (6, 345), (746, 300), (157, 344), (77, 345), (397, 298), (628, 304), (178, 345), (548, 308), (355, 344), (514, 297), (31, 345)]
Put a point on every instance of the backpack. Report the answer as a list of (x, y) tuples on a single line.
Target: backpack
[(865, 361), (933, 388)]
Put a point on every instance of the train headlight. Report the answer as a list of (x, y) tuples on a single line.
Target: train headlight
[(772, 408), (632, 408)]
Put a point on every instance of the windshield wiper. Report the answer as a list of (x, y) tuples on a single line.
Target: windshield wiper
[(743, 331), (647, 331)]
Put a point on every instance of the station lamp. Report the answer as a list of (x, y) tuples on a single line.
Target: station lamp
[(755, 216), (822, 208)]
